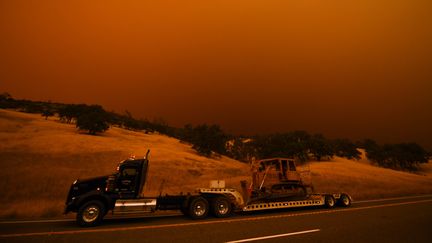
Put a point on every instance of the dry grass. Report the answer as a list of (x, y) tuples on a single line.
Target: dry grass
[(40, 159), (362, 180)]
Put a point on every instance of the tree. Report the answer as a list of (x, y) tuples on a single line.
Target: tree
[(407, 156), (320, 147), (47, 112), (32, 107), (129, 122), (6, 101), (240, 148), (187, 133), (69, 112), (346, 148), (402, 156), (205, 138), (5, 96), (94, 120), (159, 124), (292, 144)]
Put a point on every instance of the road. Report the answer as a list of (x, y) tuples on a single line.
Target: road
[(406, 219)]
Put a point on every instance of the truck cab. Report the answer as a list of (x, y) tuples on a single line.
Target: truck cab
[(122, 193), (94, 197), (129, 180)]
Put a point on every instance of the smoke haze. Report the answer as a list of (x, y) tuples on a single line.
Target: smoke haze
[(355, 69)]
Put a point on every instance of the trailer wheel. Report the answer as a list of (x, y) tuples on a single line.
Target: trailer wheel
[(90, 213), (198, 208), (221, 207), (344, 200), (329, 201)]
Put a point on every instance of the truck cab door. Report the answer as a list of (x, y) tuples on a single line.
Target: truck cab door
[(127, 182)]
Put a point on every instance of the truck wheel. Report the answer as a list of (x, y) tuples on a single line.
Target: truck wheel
[(91, 213), (198, 208), (344, 200), (329, 201), (221, 207)]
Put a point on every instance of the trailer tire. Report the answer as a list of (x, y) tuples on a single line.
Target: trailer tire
[(344, 200), (90, 213), (198, 208), (329, 201), (221, 207)]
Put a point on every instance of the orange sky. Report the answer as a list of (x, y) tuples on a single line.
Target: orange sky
[(351, 69)]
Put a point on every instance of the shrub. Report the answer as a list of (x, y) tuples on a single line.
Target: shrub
[(205, 138), (320, 147), (346, 148), (94, 120), (402, 156)]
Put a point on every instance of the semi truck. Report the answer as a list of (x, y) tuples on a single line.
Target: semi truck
[(275, 184)]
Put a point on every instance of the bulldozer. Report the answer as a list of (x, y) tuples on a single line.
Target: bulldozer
[(278, 179)]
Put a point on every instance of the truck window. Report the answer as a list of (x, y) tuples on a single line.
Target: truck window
[(292, 166), (284, 165), (129, 172), (276, 165)]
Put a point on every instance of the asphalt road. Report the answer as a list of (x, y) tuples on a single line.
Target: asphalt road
[(389, 220)]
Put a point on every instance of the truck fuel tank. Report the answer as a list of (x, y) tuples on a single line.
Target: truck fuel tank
[(146, 205)]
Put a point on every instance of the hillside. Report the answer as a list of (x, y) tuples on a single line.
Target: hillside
[(41, 158)]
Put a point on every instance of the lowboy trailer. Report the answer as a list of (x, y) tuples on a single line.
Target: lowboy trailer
[(121, 193)]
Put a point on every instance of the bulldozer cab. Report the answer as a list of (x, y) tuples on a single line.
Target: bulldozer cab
[(275, 170), (278, 163), (277, 179)]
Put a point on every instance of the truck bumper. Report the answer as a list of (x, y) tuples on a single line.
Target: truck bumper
[(70, 206)]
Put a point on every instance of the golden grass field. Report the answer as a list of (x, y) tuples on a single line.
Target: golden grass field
[(41, 158)]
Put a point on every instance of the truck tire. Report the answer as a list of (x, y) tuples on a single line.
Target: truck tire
[(221, 207), (329, 201), (90, 213), (198, 208), (344, 200)]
